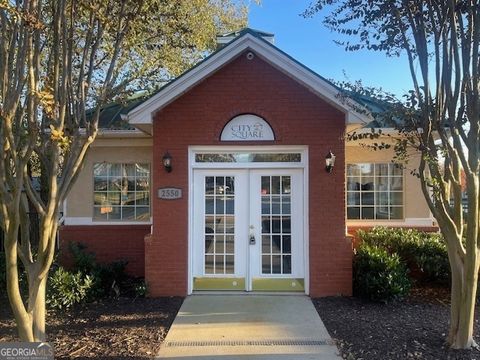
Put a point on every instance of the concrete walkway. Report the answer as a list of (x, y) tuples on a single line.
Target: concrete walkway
[(248, 327)]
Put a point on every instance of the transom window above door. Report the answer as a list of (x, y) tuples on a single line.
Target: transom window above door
[(220, 157), (238, 157)]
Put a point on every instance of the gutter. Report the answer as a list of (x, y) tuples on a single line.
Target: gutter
[(109, 133), (106, 133)]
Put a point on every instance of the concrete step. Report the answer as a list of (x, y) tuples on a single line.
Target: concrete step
[(248, 327)]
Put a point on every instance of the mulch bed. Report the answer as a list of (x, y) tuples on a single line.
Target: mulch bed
[(126, 328), (415, 328), (115, 329)]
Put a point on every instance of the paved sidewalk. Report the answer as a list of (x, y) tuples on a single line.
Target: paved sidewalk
[(248, 327)]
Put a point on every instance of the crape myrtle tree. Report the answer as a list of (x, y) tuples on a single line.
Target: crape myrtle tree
[(60, 61), (440, 117)]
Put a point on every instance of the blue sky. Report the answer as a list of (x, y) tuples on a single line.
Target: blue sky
[(308, 41)]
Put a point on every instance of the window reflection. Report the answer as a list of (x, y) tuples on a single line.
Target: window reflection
[(121, 191), (374, 191), (247, 157), (276, 224), (219, 224)]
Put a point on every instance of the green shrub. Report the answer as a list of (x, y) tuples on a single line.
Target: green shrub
[(421, 251), (108, 279), (379, 275), (83, 260), (432, 259), (141, 289), (66, 289)]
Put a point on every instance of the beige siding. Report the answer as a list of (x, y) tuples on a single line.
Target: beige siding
[(415, 205), (80, 198)]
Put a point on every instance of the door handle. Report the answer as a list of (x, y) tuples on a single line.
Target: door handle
[(252, 239)]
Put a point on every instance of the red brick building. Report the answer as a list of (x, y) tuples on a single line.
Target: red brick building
[(222, 184)]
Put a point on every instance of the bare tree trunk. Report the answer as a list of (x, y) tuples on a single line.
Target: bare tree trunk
[(461, 327), (463, 298), (30, 320), (39, 311), (38, 279), (455, 302), (22, 318)]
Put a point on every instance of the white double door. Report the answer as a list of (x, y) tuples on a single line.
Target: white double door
[(248, 230)]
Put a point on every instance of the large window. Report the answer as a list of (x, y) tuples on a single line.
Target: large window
[(121, 192), (374, 192)]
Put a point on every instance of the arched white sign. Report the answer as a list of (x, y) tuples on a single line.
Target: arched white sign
[(247, 127)]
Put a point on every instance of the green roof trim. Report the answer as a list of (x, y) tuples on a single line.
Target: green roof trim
[(111, 115), (382, 112), (241, 32)]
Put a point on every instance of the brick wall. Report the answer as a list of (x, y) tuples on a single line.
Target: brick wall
[(298, 117), (109, 243)]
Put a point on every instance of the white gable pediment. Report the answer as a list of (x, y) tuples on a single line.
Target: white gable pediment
[(142, 115)]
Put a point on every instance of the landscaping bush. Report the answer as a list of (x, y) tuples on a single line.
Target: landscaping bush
[(108, 279), (141, 289), (432, 259), (379, 275), (391, 239), (421, 251), (66, 289), (83, 260)]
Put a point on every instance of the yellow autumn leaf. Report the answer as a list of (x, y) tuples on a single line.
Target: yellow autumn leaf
[(55, 134)]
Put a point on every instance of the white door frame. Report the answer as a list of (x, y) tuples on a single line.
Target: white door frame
[(255, 217), (303, 164), (241, 201)]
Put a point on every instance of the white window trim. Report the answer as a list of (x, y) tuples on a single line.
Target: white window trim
[(121, 221), (88, 221), (376, 221), (247, 149), (424, 222)]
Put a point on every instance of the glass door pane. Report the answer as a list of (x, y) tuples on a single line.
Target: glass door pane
[(276, 224), (219, 221)]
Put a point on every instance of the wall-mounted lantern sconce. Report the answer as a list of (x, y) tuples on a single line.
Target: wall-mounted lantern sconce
[(329, 162), (167, 162)]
